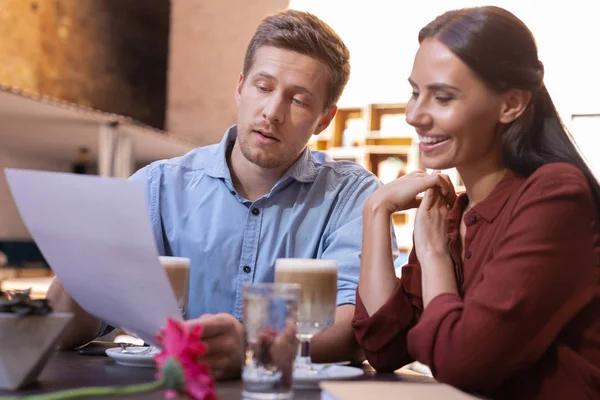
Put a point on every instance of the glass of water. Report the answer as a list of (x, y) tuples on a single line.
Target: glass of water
[(270, 317)]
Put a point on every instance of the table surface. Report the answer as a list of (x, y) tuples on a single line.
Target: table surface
[(66, 370)]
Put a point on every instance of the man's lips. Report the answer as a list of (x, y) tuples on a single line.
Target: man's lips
[(267, 135)]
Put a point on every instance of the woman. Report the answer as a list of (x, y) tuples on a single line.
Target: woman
[(500, 295)]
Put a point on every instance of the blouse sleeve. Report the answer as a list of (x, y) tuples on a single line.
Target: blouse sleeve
[(383, 334)]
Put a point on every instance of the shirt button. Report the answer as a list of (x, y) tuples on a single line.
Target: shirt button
[(232, 192), (473, 218), (247, 269), (468, 254), (255, 211)]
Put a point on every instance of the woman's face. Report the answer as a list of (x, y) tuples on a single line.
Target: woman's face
[(455, 114)]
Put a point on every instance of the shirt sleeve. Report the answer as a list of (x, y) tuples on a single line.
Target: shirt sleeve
[(383, 334), (543, 273), (343, 241)]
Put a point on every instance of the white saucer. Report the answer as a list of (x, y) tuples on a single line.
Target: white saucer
[(130, 359), (326, 372), (335, 363)]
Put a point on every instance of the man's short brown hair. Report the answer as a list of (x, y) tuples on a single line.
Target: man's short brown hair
[(306, 34)]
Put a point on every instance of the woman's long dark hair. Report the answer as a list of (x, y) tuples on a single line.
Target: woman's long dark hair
[(502, 51)]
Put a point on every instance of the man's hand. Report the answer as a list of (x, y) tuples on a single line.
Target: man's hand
[(224, 337)]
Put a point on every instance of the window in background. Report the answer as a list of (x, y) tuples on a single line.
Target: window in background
[(585, 129)]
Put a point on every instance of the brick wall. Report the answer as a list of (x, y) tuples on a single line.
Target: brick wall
[(207, 45)]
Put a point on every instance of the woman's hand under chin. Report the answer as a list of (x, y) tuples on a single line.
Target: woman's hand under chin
[(431, 246), (377, 275), (430, 225), (401, 194)]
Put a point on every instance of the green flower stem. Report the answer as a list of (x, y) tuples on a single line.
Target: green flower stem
[(94, 392)]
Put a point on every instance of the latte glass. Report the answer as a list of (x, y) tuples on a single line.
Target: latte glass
[(318, 279), (178, 272)]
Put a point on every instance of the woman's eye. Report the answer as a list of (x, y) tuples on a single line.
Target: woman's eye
[(444, 99)]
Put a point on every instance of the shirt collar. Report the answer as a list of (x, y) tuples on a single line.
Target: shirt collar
[(216, 162), (491, 206), (304, 169)]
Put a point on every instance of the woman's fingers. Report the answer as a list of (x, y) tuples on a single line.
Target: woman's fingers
[(429, 199), (449, 193)]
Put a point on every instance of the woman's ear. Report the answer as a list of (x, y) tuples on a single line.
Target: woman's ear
[(514, 105)]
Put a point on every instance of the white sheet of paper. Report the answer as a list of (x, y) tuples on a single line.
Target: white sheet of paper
[(96, 236)]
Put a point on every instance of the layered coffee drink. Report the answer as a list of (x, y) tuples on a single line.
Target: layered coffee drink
[(318, 279), (178, 272)]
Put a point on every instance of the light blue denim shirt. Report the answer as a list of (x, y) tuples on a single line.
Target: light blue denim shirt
[(313, 211)]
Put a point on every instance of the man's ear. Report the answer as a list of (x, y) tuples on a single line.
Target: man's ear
[(238, 89), (326, 120), (514, 105)]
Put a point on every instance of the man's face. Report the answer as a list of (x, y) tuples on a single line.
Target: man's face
[(281, 103)]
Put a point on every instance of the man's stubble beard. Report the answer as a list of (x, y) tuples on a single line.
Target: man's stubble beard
[(269, 163)]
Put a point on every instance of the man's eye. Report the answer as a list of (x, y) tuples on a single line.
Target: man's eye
[(298, 102)]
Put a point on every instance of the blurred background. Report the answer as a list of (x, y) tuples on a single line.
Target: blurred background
[(104, 87)]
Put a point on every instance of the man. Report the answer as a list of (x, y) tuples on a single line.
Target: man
[(259, 195)]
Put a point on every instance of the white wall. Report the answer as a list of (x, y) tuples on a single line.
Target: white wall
[(382, 38), (11, 225)]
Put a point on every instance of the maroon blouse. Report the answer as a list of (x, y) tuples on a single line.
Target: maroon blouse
[(527, 321)]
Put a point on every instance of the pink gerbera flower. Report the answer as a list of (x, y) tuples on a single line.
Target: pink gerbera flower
[(179, 362)]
